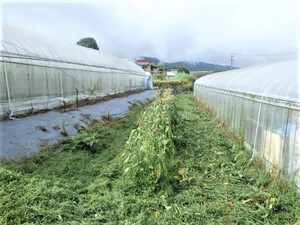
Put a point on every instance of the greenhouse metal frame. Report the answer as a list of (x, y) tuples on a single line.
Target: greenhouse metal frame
[(262, 105), (40, 72)]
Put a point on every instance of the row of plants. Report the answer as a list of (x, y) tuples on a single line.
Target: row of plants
[(150, 148)]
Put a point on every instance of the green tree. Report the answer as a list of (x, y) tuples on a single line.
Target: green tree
[(182, 69), (88, 42)]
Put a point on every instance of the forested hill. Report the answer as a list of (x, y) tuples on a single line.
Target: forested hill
[(198, 66), (191, 66)]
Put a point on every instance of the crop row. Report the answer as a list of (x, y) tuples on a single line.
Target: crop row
[(150, 147)]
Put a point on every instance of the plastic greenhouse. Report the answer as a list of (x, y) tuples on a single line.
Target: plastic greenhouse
[(40, 72), (262, 104)]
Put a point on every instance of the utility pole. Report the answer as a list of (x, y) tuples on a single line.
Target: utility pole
[(232, 60)]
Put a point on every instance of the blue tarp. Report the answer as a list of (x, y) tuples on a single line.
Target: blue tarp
[(149, 82)]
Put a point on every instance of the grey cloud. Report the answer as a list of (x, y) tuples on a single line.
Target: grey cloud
[(204, 30)]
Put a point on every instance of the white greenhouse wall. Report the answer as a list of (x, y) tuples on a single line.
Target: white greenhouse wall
[(38, 72), (270, 127)]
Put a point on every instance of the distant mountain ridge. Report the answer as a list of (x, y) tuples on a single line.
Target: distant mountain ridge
[(191, 66)]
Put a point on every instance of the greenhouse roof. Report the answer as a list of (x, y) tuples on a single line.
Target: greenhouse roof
[(279, 80), (19, 44)]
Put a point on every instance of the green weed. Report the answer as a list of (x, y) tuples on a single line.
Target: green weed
[(87, 141)]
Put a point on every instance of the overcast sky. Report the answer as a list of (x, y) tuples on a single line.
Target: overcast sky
[(257, 31)]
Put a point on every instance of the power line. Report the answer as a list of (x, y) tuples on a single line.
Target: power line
[(232, 60)]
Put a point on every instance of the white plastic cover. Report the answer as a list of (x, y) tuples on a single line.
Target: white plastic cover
[(276, 80), (40, 72)]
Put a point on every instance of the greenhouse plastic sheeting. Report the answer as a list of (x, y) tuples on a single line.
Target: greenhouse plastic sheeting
[(25, 136), (40, 72), (277, 81), (261, 104)]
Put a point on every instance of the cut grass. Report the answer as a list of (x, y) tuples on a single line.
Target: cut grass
[(212, 181)]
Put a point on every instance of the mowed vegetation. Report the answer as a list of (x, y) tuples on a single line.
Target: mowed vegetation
[(181, 81), (194, 172)]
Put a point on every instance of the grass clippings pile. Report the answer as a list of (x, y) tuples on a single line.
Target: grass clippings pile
[(210, 180)]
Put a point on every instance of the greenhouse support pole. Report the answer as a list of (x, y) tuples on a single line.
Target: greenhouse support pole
[(61, 84), (258, 121), (286, 127), (76, 99), (7, 88), (256, 129)]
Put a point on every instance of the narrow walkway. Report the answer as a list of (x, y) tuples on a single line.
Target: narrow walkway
[(25, 136)]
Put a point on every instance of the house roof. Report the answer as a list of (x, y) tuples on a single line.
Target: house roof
[(143, 62)]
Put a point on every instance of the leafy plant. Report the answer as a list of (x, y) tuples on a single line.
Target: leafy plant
[(88, 142), (159, 77), (95, 87), (64, 131), (150, 147)]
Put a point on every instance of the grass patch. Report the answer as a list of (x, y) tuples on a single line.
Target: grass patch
[(181, 81), (211, 180)]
